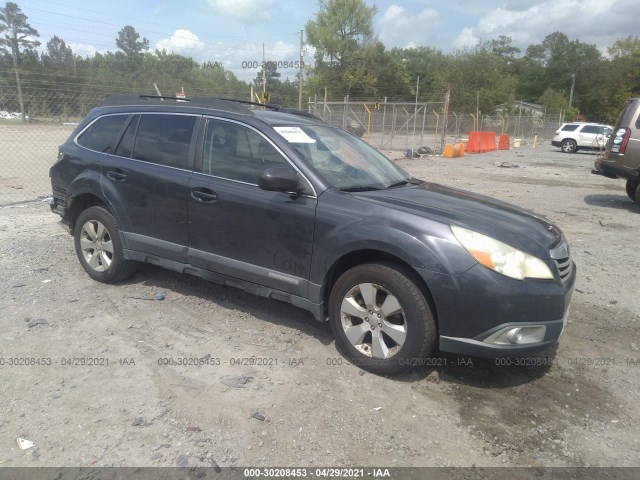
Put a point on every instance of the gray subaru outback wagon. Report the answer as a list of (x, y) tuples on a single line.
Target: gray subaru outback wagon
[(280, 204)]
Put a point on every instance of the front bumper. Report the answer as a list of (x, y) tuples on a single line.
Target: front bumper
[(478, 347), (478, 309)]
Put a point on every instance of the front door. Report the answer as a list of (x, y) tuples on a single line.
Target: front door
[(238, 229)]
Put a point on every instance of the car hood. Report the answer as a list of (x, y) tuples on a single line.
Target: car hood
[(500, 220)]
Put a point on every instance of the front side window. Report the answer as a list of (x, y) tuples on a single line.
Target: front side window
[(102, 135), (237, 152), (164, 139)]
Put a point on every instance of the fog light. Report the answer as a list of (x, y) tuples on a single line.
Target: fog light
[(514, 335), (517, 335)]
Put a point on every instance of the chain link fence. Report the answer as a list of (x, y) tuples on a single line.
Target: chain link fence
[(28, 147), (393, 126)]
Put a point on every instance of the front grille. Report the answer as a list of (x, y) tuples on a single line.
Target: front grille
[(562, 258), (564, 267)]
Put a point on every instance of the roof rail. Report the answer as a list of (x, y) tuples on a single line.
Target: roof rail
[(301, 113), (208, 102), (239, 106)]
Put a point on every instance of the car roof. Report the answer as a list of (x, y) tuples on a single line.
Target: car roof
[(586, 123), (268, 113)]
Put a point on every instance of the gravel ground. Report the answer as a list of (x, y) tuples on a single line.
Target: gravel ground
[(98, 390)]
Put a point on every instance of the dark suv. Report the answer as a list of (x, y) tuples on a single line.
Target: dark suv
[(622, 155), (284, 206)]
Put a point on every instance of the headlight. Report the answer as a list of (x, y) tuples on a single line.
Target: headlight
[(500, 257)]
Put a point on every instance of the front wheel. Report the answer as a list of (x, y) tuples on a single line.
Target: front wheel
[(99, 248), (631, 189), (569, 146), (381, 319)]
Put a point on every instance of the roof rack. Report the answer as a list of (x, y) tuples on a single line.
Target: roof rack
[(301, 113), (238, 106), (270, 106), (209, 102)]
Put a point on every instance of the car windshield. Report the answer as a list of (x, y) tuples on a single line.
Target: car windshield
[(343, 160)]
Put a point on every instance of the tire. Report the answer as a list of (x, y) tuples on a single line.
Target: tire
[(569, 146), (370, 339), (638, 195), (99, 248), (632, 188)]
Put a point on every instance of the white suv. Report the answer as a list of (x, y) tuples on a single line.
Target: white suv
[(571, 137)]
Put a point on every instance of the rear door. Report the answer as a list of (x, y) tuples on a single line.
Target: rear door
[(147, 181), (591, 136), (238, 229)]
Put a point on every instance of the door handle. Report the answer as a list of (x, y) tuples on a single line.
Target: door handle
[(117, 175), (204, 195)]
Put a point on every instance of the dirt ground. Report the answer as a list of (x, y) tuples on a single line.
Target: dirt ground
[(98, 380)]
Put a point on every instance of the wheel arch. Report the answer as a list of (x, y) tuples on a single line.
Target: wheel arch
[(81, 202), (359, 257)]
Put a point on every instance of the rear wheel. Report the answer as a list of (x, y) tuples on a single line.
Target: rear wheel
[(381, 319), (569, 146), (98, 246), (632, 186)]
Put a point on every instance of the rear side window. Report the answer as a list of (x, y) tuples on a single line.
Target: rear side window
[(592, 129), (569, 128), (164, 139), (103, 134)]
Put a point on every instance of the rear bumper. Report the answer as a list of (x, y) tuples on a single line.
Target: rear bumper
[(555, 143), (610, 169)]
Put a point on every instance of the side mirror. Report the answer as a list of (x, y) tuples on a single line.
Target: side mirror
[(279, 179)]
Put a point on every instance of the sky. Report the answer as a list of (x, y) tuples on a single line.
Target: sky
[(233, 31)]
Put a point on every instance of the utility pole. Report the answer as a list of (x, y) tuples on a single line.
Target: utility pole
[(573, 84), (264, 78), (300, 79)]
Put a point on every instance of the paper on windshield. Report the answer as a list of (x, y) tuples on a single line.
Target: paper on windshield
[(294, 135)]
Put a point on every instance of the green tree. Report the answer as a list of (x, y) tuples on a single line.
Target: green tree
[(554, 102), (552, 63), (128, 41), (57, 53), (57, 72), (427, 63), (16, 37), (340, 32), (625, 60)]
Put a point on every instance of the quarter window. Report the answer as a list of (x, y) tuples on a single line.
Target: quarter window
[(103, 134), (126, 144), (164, 139), (569, 128)]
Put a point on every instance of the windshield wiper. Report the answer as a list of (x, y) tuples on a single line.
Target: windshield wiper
[(398, 184), (360, 188), (412, 181)]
